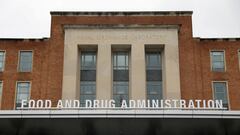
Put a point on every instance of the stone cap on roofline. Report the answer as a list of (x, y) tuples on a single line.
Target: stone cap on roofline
[(121, 13), (25, 39), (217, 39)]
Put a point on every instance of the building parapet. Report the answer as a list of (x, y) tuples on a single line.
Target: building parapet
[(217, 39), (25, 39), (121, 13)]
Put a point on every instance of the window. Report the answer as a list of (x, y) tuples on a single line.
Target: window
[(88, 60), (154, 75), (1, 88), (220, 92), (120, 77), (2, 60), (120, 60), (217, 61), (25, 61), (153, 60), (87, 77), (23, 92)]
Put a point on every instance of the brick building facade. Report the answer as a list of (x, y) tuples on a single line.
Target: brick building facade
[(194, 56)]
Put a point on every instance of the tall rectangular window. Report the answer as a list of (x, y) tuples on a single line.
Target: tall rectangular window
[(23, 92), (217, 61), (1, 89), (87, 77), (154, 75), (25, 61), (120, 77), (2, 60), (220, 92)]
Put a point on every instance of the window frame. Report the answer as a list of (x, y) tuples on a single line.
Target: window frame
[(147, 60), (19, 57), (16, 90), (128, 67), (161, 55), (125, 56), (227, 92), (83, 68), (224, 58), (4, 60), (81, 61)]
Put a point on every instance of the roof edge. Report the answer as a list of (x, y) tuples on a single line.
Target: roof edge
[(218, 39), (121, 13), (24, 39)]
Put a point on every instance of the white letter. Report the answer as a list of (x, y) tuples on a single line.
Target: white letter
[(219, 104), (167, 104), (95, 103), (141, 103), (191, 104), (198, 103), (23, 103), (48, 103), (161, 102), (174, 103), (148, 104), (111, 103), (31, 103), (68, 103), (155, 103), (59, 104), (76, 104), (88, 104), (39, 104), (124, 104), (210, 104), (183, 103), (204, 103), (132, 104)]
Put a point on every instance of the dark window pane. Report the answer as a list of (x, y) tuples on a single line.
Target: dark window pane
[(88, 75), (220, 92), (154, 75), (120, 75)]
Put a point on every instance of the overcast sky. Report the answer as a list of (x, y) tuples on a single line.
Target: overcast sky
[(31, 18)]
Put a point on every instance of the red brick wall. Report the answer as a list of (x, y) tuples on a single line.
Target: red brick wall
[(47, 72), (232, 74), (10, 74)]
